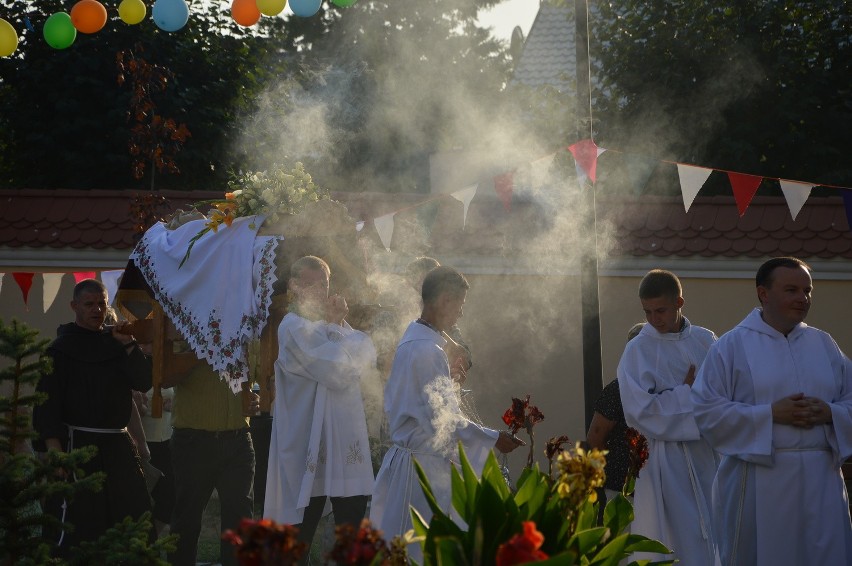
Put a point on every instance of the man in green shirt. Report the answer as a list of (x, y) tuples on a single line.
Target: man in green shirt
[(211, 449)]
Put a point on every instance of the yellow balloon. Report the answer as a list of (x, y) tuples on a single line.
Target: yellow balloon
[(271, 7), (131, 11), (8, 38)]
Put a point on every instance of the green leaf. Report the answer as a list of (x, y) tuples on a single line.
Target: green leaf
[(639, 543), (449, 552), (427, 490), (585, 541), (618, 514), (612, 552), (587, 515)]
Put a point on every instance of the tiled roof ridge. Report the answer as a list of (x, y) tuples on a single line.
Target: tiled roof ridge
[(642, 226)]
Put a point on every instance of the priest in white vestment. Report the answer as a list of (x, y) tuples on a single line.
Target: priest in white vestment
[(319, 447), (424, 418), (655, 375), (774, 398)]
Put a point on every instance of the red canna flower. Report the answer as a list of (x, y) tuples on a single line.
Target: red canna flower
[(358, 547), (521, 548)]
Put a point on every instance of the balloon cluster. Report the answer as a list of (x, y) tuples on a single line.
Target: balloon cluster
[(90, 16)]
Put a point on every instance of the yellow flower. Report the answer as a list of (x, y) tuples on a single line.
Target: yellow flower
[(580, 473)]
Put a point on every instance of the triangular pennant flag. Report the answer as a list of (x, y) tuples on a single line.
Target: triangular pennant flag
[(796, 194), (639, 169), (581, 175), (359, 225), (503, 186), (52, 281), (540, 171), (847, 203), (384, 226), (80, 275), (744, 187), (691, 181), (465, 195), (586, 155), (110, 280), (24, 281)]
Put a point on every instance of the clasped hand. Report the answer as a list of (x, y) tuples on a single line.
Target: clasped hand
[(801, 411)]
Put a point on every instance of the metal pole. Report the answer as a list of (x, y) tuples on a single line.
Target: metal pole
[(590, 303)]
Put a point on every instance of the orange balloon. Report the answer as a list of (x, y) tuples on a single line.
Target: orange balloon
[(88, 16), (245, 12)]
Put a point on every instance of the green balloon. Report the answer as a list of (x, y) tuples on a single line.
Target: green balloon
[(58, 30), (343, 3)]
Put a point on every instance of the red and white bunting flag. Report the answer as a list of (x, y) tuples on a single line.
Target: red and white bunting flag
[(504, 184), (52, 282), (24, 281), (465, 195), (80, 275), (691, 180), (384, 226), (796, 194), (111, 279), (586, 155), (744, 187)]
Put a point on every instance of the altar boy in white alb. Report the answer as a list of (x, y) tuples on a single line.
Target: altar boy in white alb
[(423, 414), (319, 446), (655, 375), (774, 397)]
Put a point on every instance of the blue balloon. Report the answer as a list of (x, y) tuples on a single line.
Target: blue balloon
[(170, 15), (305, 8)]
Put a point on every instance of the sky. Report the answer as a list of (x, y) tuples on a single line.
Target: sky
[(508, 14)]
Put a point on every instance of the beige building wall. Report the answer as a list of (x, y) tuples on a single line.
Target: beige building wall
[(525, 331)]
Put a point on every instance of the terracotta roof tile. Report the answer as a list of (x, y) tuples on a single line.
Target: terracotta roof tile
[(642, 226), (840, 222), (719, 245), (704, 217), (821, 222), (742, 245), (673, 245), (789, 246), (697, 245), (751, 220), (812, 247), (727, 222), (774, 217), (839, 246), (8, 235)]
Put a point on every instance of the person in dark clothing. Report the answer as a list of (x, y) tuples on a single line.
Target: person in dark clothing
[(89, 401), (607, 432)]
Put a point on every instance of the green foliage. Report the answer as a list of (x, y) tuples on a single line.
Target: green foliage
[(757, 87), (494, 514), (125, 543), (392, 82), (26, 480), (66, 118)]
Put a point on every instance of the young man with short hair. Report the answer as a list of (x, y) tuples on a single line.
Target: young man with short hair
[(320, 447), (774, 397), (655, 376), (423, 413)]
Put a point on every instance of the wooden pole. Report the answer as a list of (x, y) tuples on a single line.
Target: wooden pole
[(590, 302)]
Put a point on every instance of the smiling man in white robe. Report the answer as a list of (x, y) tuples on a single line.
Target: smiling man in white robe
[(655, 374), (774, 398), (424, 418), (319, 447)]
